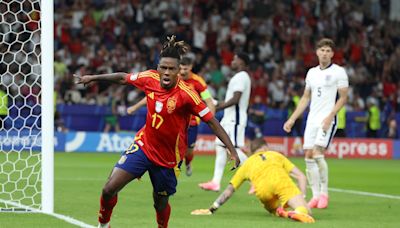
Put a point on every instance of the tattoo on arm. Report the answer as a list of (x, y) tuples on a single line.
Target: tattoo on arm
[(225, 195)]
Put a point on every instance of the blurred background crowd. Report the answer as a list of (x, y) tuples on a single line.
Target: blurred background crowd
[(103, 36), (98, 36)]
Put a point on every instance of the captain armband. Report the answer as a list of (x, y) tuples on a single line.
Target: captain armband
[(205, 94)]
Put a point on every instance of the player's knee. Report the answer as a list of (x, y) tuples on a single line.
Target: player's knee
[(159, 206), (318, 151), (160, 202), (108, 191), (308, 154)]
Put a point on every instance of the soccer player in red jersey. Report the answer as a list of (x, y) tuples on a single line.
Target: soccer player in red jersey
[(197, 83), (160, 145)]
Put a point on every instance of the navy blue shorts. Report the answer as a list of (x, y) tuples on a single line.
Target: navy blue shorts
[(136, 163), (192, 136)]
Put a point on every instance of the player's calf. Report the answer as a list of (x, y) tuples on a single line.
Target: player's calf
[(106, 209)]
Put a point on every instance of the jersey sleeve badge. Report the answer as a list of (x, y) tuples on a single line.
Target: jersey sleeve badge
[(134, 76)]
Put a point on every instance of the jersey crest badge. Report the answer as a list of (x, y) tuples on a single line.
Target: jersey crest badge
[(328, 78), (159, 106), (171, 104)]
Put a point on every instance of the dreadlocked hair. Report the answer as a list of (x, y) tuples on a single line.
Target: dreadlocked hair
[(174, 49)]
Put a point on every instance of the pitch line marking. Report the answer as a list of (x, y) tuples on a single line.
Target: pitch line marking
[(380, 195), (58, 216), (71, 220)]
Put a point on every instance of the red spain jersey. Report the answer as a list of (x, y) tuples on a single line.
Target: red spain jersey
[(164, 136), (197, 83)]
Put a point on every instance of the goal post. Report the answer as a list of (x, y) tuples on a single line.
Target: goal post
[(47, 105), (26, 106)]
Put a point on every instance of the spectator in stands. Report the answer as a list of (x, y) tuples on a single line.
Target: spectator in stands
[(374, 120), (281, 40), (341, 127), (276, 87), (292, 104), (3, 105), (392, 132), (257, 117), (111, 119), (59, 123)]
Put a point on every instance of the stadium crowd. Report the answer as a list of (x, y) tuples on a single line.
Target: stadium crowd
[(99, 36)]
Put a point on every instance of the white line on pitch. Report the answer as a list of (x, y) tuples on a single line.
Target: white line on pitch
[(365, 193), (71, 220), (59, 216)]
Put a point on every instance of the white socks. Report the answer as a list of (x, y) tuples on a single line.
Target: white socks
[(221, 158), (313, 176), (220, 162), (317, 175), (323, 172)]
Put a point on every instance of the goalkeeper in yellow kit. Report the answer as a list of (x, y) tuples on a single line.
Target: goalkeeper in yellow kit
[(269, 172)]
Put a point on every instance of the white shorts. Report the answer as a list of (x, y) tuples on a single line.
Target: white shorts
[(315, 136), (235, 133)]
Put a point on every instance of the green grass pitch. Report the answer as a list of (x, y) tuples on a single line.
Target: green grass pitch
[(79, 178)]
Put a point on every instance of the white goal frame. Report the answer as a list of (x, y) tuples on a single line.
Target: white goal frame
[(47, 114), (47, 55)]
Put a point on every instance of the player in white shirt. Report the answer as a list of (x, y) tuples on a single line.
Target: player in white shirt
[(235, 118), (326, 87)]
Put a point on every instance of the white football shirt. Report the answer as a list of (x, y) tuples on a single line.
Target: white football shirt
[(237, 114), (324, 85)]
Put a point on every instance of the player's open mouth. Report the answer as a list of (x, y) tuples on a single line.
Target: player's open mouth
[(166, 81)]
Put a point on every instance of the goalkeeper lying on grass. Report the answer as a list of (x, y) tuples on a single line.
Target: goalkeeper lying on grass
[(269, 173)]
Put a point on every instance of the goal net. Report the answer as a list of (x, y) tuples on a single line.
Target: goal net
[(21, 105)]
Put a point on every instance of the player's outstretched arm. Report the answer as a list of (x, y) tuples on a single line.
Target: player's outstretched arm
[(132, 109), (208, 99), (303, 103), (114, 77), (301, 179), (225, 195), (223, 136), (210, 104)]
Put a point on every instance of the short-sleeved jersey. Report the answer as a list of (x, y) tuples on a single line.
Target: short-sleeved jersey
[(237, 114), (324, 85), (164, 136), (262, 168), (198, 84)]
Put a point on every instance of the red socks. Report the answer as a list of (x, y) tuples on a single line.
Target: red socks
[(106, 208), (163, 217)]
